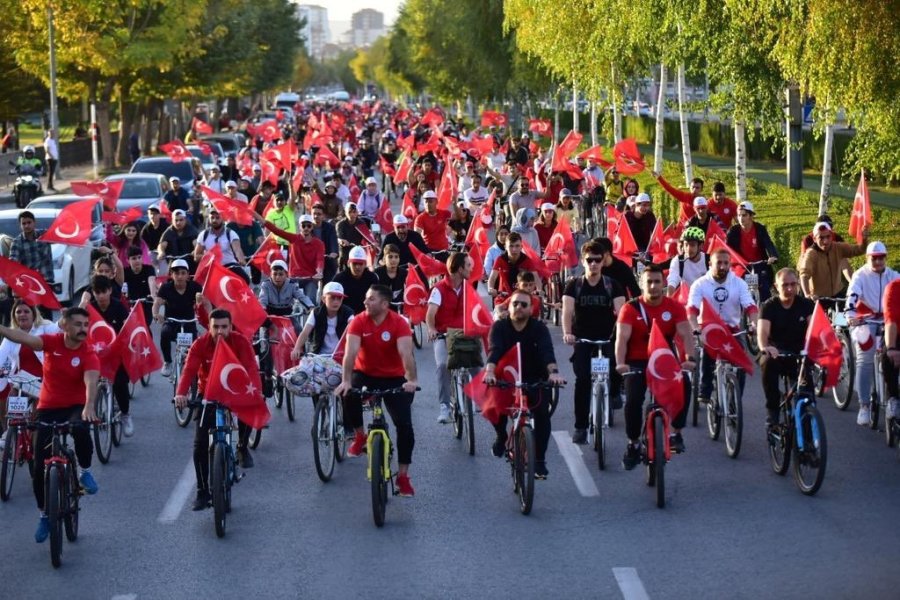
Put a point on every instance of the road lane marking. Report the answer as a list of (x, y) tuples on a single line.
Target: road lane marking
[(630, 584), (179, 495), (125, 597), (573, 456)]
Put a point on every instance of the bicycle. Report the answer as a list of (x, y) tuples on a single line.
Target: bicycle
[(695, 376), (183, 341), (328, 435), (18, 449), (844, 391), (726, 406), (379, 450), (800, 433), (462, 410), (879, 399), (600, 418), (108, 428), (281, 393), (62, 489), (520, 444), (418, 330), (751, 278)]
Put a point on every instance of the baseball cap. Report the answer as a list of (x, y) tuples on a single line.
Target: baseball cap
[(279, 264), (257, 168), (174, 179), (748, 206), (178, 213), (401, 220), (330, 183), (565, 192), (307, 219), (876, 249), (214, 168), (357, 254), (547, 206), (230, 184), (179, 263), (351, 206), (153, 208), (247, 178), (333, 288), (643, 198), (371, 181), (821, 225), (700, 201), (429, 195)]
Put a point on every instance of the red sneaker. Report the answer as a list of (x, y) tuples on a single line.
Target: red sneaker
[(404, 487), (358, 446)]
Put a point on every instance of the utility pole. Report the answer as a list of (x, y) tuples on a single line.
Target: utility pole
[(54, 114), (795, 138)]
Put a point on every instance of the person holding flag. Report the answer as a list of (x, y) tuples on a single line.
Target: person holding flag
[(701, 217), (752, 242), (633, 326), (306, 253), (27, 249), (820, 266), (179, 296), (618, 269), (228, 241), (692, 263), (641, 221), (402, 237), (356, 279)]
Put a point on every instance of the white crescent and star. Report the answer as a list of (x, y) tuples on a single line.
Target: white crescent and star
[(226, 371), (141, 330), (223, 287), (412, 287), (705, 331), (475, 317), (34, 287), (75, 232), (651, 364), (103, 325)]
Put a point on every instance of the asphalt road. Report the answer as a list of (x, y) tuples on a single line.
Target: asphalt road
[(731, 528)]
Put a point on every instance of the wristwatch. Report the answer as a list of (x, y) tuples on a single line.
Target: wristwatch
[(553, 371)]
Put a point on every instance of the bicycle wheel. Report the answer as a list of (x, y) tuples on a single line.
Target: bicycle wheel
[(116, 423), (524, 450), (714, 416), (456, 415), (337, 424), (53, 485), (875, 404), (555, 299), (780, 437), (695, 395), (218, 484), (378, 479), (291, 406), (554, 399), (323, 439), (183, 415), (659, 460), (752, 342), (72, 494), (600, 425), (733, 417), (843, 392), (255, 437), (103, 428), (10, 459), (811, 459), (468, 414), (280, 392), (131, 389), (418, 334)]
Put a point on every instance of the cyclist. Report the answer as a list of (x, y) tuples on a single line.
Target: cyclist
[(177, 198), (216, 234), (391, 274), (379, 356), (475, 196), (325, 324), (27, 249), (306, 254), (507, 266), (433, 224), (356, 279), (729, 295), (538, 364), (691, 265), (348, 234), (152, 234), (178, 239), (325, 231), (642, 221), (496, 250), (819, 266), (723, 209), (865, 293), (179, 296), (752, 242), (614, 185), (197, 365), (110, 267), (460, 223), (527, 282), (402, 237), (702, 216), (618, 269), (70, 373), (445, 311), (546, 224), (783, 321), (277, 293), (140, 281), (632, 337), (524, 197)]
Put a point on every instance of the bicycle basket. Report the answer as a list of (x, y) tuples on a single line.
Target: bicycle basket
[(463, 351), (314, 375)]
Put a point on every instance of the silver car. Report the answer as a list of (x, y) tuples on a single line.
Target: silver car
[(140, 189)]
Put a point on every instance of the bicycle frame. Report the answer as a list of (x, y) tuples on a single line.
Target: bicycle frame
[(378, 428), (654, 410)]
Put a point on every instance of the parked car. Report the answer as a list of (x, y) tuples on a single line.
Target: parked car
[(230, 143), (71, 264), (187, 170), (140, 189)]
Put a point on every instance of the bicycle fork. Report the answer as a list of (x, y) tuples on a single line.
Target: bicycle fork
[(799, 425), (648, 427), (374, 432)]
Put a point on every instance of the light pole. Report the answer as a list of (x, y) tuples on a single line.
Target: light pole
[(54, 115)]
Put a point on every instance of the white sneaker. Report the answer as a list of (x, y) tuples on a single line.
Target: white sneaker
[(167, 370), (864, 417), (444, 415), (127, 426), (893, 409), (3, 440)]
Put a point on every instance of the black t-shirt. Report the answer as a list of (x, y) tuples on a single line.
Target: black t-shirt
[(179, 243), (788, 325), (115, 314), (355, 289), (139, 283), (460, 228), (178, 305), (621, 272), (396, 284), (152, 235), (594, 318)]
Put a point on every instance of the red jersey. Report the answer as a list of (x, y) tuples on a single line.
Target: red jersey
[(750, 250), (199, 360), (726, 212), (63, 372), (378, 355), (434, 229), (891, 302), (507, 273), (667, 315), (685, 199), (545, 232), (306, 257)]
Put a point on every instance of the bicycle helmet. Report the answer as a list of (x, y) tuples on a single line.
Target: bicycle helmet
[(693, 234)]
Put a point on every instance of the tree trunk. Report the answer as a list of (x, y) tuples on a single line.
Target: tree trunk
[(616, 106), (106, 144), (826, 170), (740, 162), (180, 129), (574, 107), (127, 110), (594, 141), (556, 116), (660, 121), (685, 133)]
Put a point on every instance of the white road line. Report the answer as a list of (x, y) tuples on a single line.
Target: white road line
[(574, 460), (179, 496), (125, 597), (630, 584)]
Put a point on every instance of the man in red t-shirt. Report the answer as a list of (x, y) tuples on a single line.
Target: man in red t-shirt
[(506, 268), (70, 374), (198, 365), (379, 356), (432, 224), (685, 199), (306, 253), (752, 242), (632, 337), (723, 209)]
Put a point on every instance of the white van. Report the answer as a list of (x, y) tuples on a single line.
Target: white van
[(286, 100)]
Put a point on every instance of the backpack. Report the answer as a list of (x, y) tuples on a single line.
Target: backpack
[(607, 286)]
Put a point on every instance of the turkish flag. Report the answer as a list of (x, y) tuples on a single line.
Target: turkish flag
[(72, 226), (338, 354), (562, 245), (716, 243), (402, 174), (477, 265), (656, 247), (176, 150), (494, 401), (387, 168), (628, 157), (297, 178), (861, 217), (432, 144), (109, 191), (201, 127), (682, 293), (284, 340), (564, 151), (430, 266), (230, 383), (140, 355), (121, 218), (491, 118), (364, 231), (435, 116), (205, 148), (624, 245), (415, 297), (484, 145), (317, 138), (823, 347), (226, 290), (102, 340), (268, 252), (384, 217), (409, 209), (269, 130), (353, 184), (283, 154), (718, 341), (477, 318), (534, 262), (478, 235), (325, 157), (210, 257), (447, 189), (664, 376), (270, 171), (612, 221), (406, 142), (28, 285), (236, 211), (540, 126)]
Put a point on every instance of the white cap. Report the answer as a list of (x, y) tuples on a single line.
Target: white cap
[(547, 206), (257, 168), (462, 204), (331, 183), (179, 263), (357, 254), (876, 249), (429, 195), (700, 201), (351, 206), (279, 264), (173, 178), (401, 220), (307, 219), (643, 198), (230, 184), (371, 181), (247, 178), (565, 192), (333, 288), (821, 225), (748, 206), (630, 200), (178, 213)]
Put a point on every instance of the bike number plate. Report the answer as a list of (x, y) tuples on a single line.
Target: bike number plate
[(751, 279), (184, 339), (600, 365), (840, 319), (640, 268), (17, 405)]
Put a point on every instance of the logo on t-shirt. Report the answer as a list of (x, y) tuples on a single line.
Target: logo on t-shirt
[(386, 336), (720, 294), (666, 316), (76, 361)]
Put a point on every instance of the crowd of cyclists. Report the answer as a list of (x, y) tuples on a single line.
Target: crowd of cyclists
[(340, 242)]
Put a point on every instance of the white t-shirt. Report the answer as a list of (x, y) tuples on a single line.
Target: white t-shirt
[(9, 350), (692, 271), (329, 344), (474, 199), (728, 298), (223, 239)]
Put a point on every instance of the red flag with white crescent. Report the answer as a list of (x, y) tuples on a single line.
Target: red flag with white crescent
[(429, 265), (823, 347), (108, 191), (384, 217), (210, 257), (230, 209), (267, 253), (121, 218), (176, 150), (72, 226), (269, 130), (237, 387), (102, 340), (477, 317), (624, 245), (540, 126), (27, 284), (285, 337), (718, 340), (140, 356), (415, 297), (201, 127), (664, 376), (226, 290), (494, 401), (861, 217), (628, 158)]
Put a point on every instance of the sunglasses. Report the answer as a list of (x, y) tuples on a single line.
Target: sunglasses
[(306, 226), (519, 303), (593, 260)]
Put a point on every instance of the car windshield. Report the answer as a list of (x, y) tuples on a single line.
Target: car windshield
[(228, 144), (10, 226), (181, 170), (140, 188)]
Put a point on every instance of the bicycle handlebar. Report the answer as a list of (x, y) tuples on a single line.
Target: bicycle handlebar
[(60, 426), (594, 342), (365, 391), (526, 386), (182, 321)]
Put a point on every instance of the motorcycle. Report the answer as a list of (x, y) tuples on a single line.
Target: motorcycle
[(27, 186)]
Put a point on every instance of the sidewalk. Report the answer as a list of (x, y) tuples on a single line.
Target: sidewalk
[(62, 181)]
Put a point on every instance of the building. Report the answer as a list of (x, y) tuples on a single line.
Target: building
[(316, 33), (366, 26)]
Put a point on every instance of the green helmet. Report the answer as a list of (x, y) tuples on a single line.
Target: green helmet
[(693, 234)]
